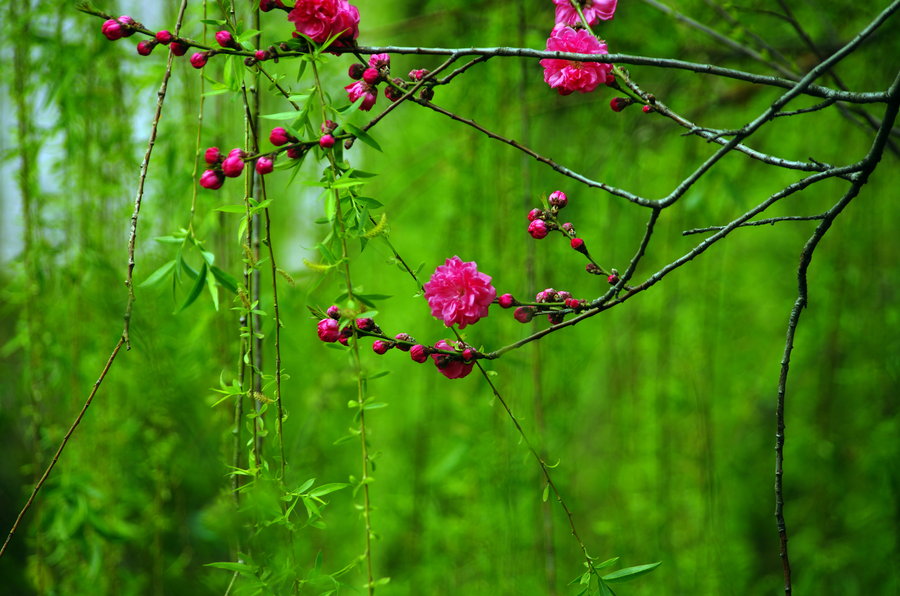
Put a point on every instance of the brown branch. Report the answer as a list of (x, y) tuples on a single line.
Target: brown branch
[(760, 222)]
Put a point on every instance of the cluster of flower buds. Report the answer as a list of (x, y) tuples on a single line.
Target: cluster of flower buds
[(367, 79), (454, 359), (230, 166), (544, 221), (557, 302), (327, 140)]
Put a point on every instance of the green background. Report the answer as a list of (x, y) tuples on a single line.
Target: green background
[(660, 412)]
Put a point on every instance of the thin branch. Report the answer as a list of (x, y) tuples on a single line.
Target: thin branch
[(759, 222), (62, 445), (145, 164)]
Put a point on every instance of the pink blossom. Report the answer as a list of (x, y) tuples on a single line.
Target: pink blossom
[(264, 165), (593, 10), (379, 61), (322, 19), (458, 293), (567, 76), (360, 89), (212, 179), (449, 366), (418, 353)]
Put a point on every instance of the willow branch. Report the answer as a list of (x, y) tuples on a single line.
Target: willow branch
[(760, 222)]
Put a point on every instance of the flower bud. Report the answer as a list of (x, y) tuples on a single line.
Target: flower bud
[(556, 318), (469, 354), (333, 312), (127, 25), (296, 152), (326, 141), (558, 199), (356, 71), (613, 279), (212, 179), (199, 59), (572, 303), (506, 300), (381, 346), (226, 40), (392, 93), (233, 165), (261, 55), (178, 48), (568, 228), (535, 214), (403, 337), (238, 152), (329, 330), (328, 126), (264, 165), (538, 229), (524, 314), (279, 136), (380, 61), (427, 93), (647, 109), (593, 269), (419, 353), (267, 5), (164, 37), (619, 103), (418, 74), (562, 296), (365, 324), (578, 244), (213, 156), (113, 30), (371, 76), (547, 295), (145, 47), (611, 79)]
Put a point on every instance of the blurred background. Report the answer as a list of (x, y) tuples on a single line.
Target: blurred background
[(660, 413)]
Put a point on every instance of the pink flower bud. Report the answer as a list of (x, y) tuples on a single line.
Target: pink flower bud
[(226, 40), (371, 76), (506, 301), (279, 136), (264, 165), (199, 59), (237, 151), (535, 214), (558, 199), (113, 30), (145, 47), (356, 71), (261, 55), (578, 244), (403, 337), (592, 269), (333, 312), (568, 228), (613, 279), (468, 354), (524, 314), (212, 179), (329, 330), (418, 353), (610, 79), (326, 141), (647, 109), (178, 48), (381, 346), (365, 324), (328, 126), (379, 61), (556, 318), (572, 303), (164, 37), (619, 103), (545, 295), (127, 24), (427, 93), (267, 5), (233, 166), (392, 93), (212, 156), (562, 296), (449, 366), (418, 74), (538, 229), (296, 152)]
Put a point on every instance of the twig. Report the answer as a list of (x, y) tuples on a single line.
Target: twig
[(145, 164), (759, 222), (62, 445)]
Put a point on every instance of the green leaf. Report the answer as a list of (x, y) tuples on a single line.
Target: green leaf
[(232, 208), (159, 275), (196, 290), (327, 488), (375, 405), (225, 279), (281, 115), (213, 290), (546, 494), (238, 567), (303, 487), (630, 573), (606, 563)]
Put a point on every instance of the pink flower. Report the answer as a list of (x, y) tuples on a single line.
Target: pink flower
[(233, 165), (538, 229), (458, 293), (567, 76), (418, 353), (593, 10), (360, 89), (326, 141), (450, 367), (379, 61), (264, 165), (322, 19)]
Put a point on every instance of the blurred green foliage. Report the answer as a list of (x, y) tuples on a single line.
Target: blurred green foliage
[(660, 413)]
